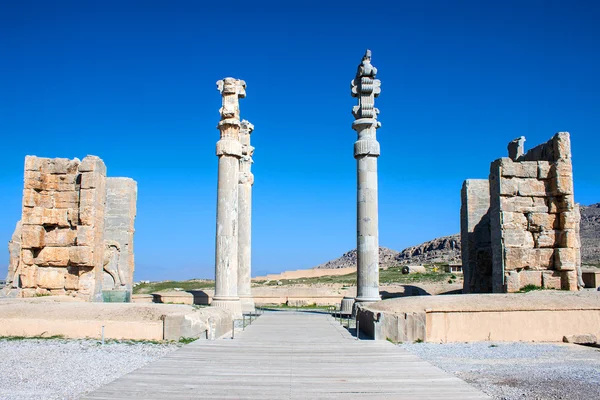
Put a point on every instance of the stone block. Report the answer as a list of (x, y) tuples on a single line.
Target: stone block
[(569, 238), (28, 276), (523, 204), (60, 237), (55, 217), (529, 277), (562, 145), (532, 187), (72, 278), (90, 180), (566, 259), (515, 257), (53, 257), (559, 204), (561, 168), (33, 180), (60, 166), (33, 163), (509, 186), (541, 258), (537, 222), (545, 239), (525, 169), (85, 236), (87, 215), (32, 215), (514, 220), (73, 216), (569, 220), (51, 278), (562, 185), (66, 199), (588, 338), (92, 163), (517, 238), (551, 280), (33, 198), (32, 236), (569, 280), (543, 169), (59, 182), (27, 257), (513, 283), (81, 255)]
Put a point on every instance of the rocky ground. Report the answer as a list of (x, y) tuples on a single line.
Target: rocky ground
[(519, 370), (67, 369)]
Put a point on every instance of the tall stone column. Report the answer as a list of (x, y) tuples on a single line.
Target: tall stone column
[(366, 150), (229, 151), (245, 219)]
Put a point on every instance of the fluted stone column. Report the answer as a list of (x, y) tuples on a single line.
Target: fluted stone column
[(366, 150), (245, 219), (229, 151)]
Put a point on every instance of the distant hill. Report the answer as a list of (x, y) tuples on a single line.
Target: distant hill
[(447, 249)]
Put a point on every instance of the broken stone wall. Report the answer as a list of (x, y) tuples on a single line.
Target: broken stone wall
[(475, 236), (534, 218), (533, 221), (121, 197), (61, 239)]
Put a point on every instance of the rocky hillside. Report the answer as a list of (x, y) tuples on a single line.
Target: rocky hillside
[(590, 234), (441, 250), (387, 258), (447, 249)]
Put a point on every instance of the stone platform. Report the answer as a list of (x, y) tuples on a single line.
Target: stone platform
[(64, 316), (544, 316)]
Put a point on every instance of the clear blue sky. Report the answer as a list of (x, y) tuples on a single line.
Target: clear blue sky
[(134, 83)]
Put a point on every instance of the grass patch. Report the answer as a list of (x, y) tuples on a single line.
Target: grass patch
[(530, 288), (192, 284), (187, 340), (306, 307), (17, 338)]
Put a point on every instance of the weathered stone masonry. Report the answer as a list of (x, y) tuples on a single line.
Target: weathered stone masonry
[(61, 238), (533, 221)]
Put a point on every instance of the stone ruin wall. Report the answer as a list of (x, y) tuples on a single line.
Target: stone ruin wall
[(533, 221), (60, 245)]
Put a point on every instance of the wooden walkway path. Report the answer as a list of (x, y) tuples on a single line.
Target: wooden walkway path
[(289, 355)]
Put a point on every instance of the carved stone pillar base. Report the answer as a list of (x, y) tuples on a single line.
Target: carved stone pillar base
[(233, 305), (248, 305)]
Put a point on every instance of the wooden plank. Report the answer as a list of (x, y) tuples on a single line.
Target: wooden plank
[(289, 355)]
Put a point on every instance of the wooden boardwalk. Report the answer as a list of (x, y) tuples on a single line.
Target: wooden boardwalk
[(289, 355)]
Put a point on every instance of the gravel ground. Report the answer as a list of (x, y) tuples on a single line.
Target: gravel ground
[(67, 369), (519, 370)]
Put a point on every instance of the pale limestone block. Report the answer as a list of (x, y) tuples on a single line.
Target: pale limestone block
[(53, 257), (565, 259), (518, 238), (569, 280), (33, 163), (32, 236), (523, 204), (509, 186), (28, 292), (514, 220), (66, 199), (538, 222), (515, 257), (562, 145), (551, 280), (92, 163), (87, 215), (72, 278), (569, 220), (85, 235), (59, 166), (81, 255), (27, 257), (51, 278), (32, 215), (532, 187), (524, 169), (28, 276), (541, 258), (60, 237), (543, 169), (55, 216), (59, 182), (33, 198), (545, 238), (561, 168), (513, 283), (90, 180), (33, 180), (569, 238), (562, 185), (559, 204), (529, 277), (73, 216)]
